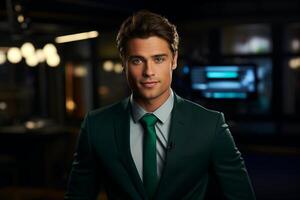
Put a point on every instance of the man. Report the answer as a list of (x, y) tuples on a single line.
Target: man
[(154, 144)]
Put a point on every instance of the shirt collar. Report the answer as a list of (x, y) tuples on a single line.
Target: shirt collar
[(162, 113)]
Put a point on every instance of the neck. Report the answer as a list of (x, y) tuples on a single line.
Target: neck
[(150, 105)]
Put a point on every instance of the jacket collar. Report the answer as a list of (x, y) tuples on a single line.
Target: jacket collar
[(122, 131), (178, 121)]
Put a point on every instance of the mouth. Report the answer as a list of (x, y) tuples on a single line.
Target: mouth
[(149, 84)]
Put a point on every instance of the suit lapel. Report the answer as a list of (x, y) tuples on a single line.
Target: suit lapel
[(122, 134), (176, 130)]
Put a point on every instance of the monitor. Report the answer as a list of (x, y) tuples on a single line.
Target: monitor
[(224, 81)]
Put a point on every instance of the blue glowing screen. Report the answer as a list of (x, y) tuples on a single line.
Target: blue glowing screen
[(224, 81)]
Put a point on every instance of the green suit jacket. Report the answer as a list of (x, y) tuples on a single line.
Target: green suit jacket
[(202, 145)]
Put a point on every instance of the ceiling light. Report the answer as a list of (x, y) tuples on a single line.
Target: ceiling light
[(108, 66), (40, 55), (76, 37), (20, 18), (53, 60), (49, 50), (2, 57), (32, 60), (27, 49), (14, 55), (118, 68)]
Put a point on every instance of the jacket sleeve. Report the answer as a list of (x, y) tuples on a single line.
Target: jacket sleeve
[(83, 181), (229, 166)]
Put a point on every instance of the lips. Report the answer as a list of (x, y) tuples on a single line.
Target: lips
[(149, 84)]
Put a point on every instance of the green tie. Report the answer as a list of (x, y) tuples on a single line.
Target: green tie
[(149, 161)]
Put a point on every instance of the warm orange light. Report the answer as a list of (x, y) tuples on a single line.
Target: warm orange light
[(70, 105)]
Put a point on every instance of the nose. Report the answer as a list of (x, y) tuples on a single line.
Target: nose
[(149, 69)]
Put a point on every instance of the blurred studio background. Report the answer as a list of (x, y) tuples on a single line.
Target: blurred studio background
[(58, 60)]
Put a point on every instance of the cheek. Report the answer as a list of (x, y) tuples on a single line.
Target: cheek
[(132, 74), (167, 73)]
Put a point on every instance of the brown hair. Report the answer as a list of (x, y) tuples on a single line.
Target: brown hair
[(144, 24)]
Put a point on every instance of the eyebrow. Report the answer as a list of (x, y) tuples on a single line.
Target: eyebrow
[(141, 57), (160, 55)]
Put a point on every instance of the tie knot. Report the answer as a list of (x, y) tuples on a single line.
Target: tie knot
[(148, 120)]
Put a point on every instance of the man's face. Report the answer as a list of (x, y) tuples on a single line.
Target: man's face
[(148, 66)]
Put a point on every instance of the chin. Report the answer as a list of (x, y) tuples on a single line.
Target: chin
[(148, 95)]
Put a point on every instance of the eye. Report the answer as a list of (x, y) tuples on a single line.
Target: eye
[(159, 59), (136, 61)]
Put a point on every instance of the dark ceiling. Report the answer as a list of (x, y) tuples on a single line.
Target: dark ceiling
[(54, 17)]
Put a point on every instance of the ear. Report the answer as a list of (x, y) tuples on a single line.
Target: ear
[(174, 61)]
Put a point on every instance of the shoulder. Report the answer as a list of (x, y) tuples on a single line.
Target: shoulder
[(193, 108)]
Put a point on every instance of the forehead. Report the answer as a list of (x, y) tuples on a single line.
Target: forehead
[(147, 46)]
